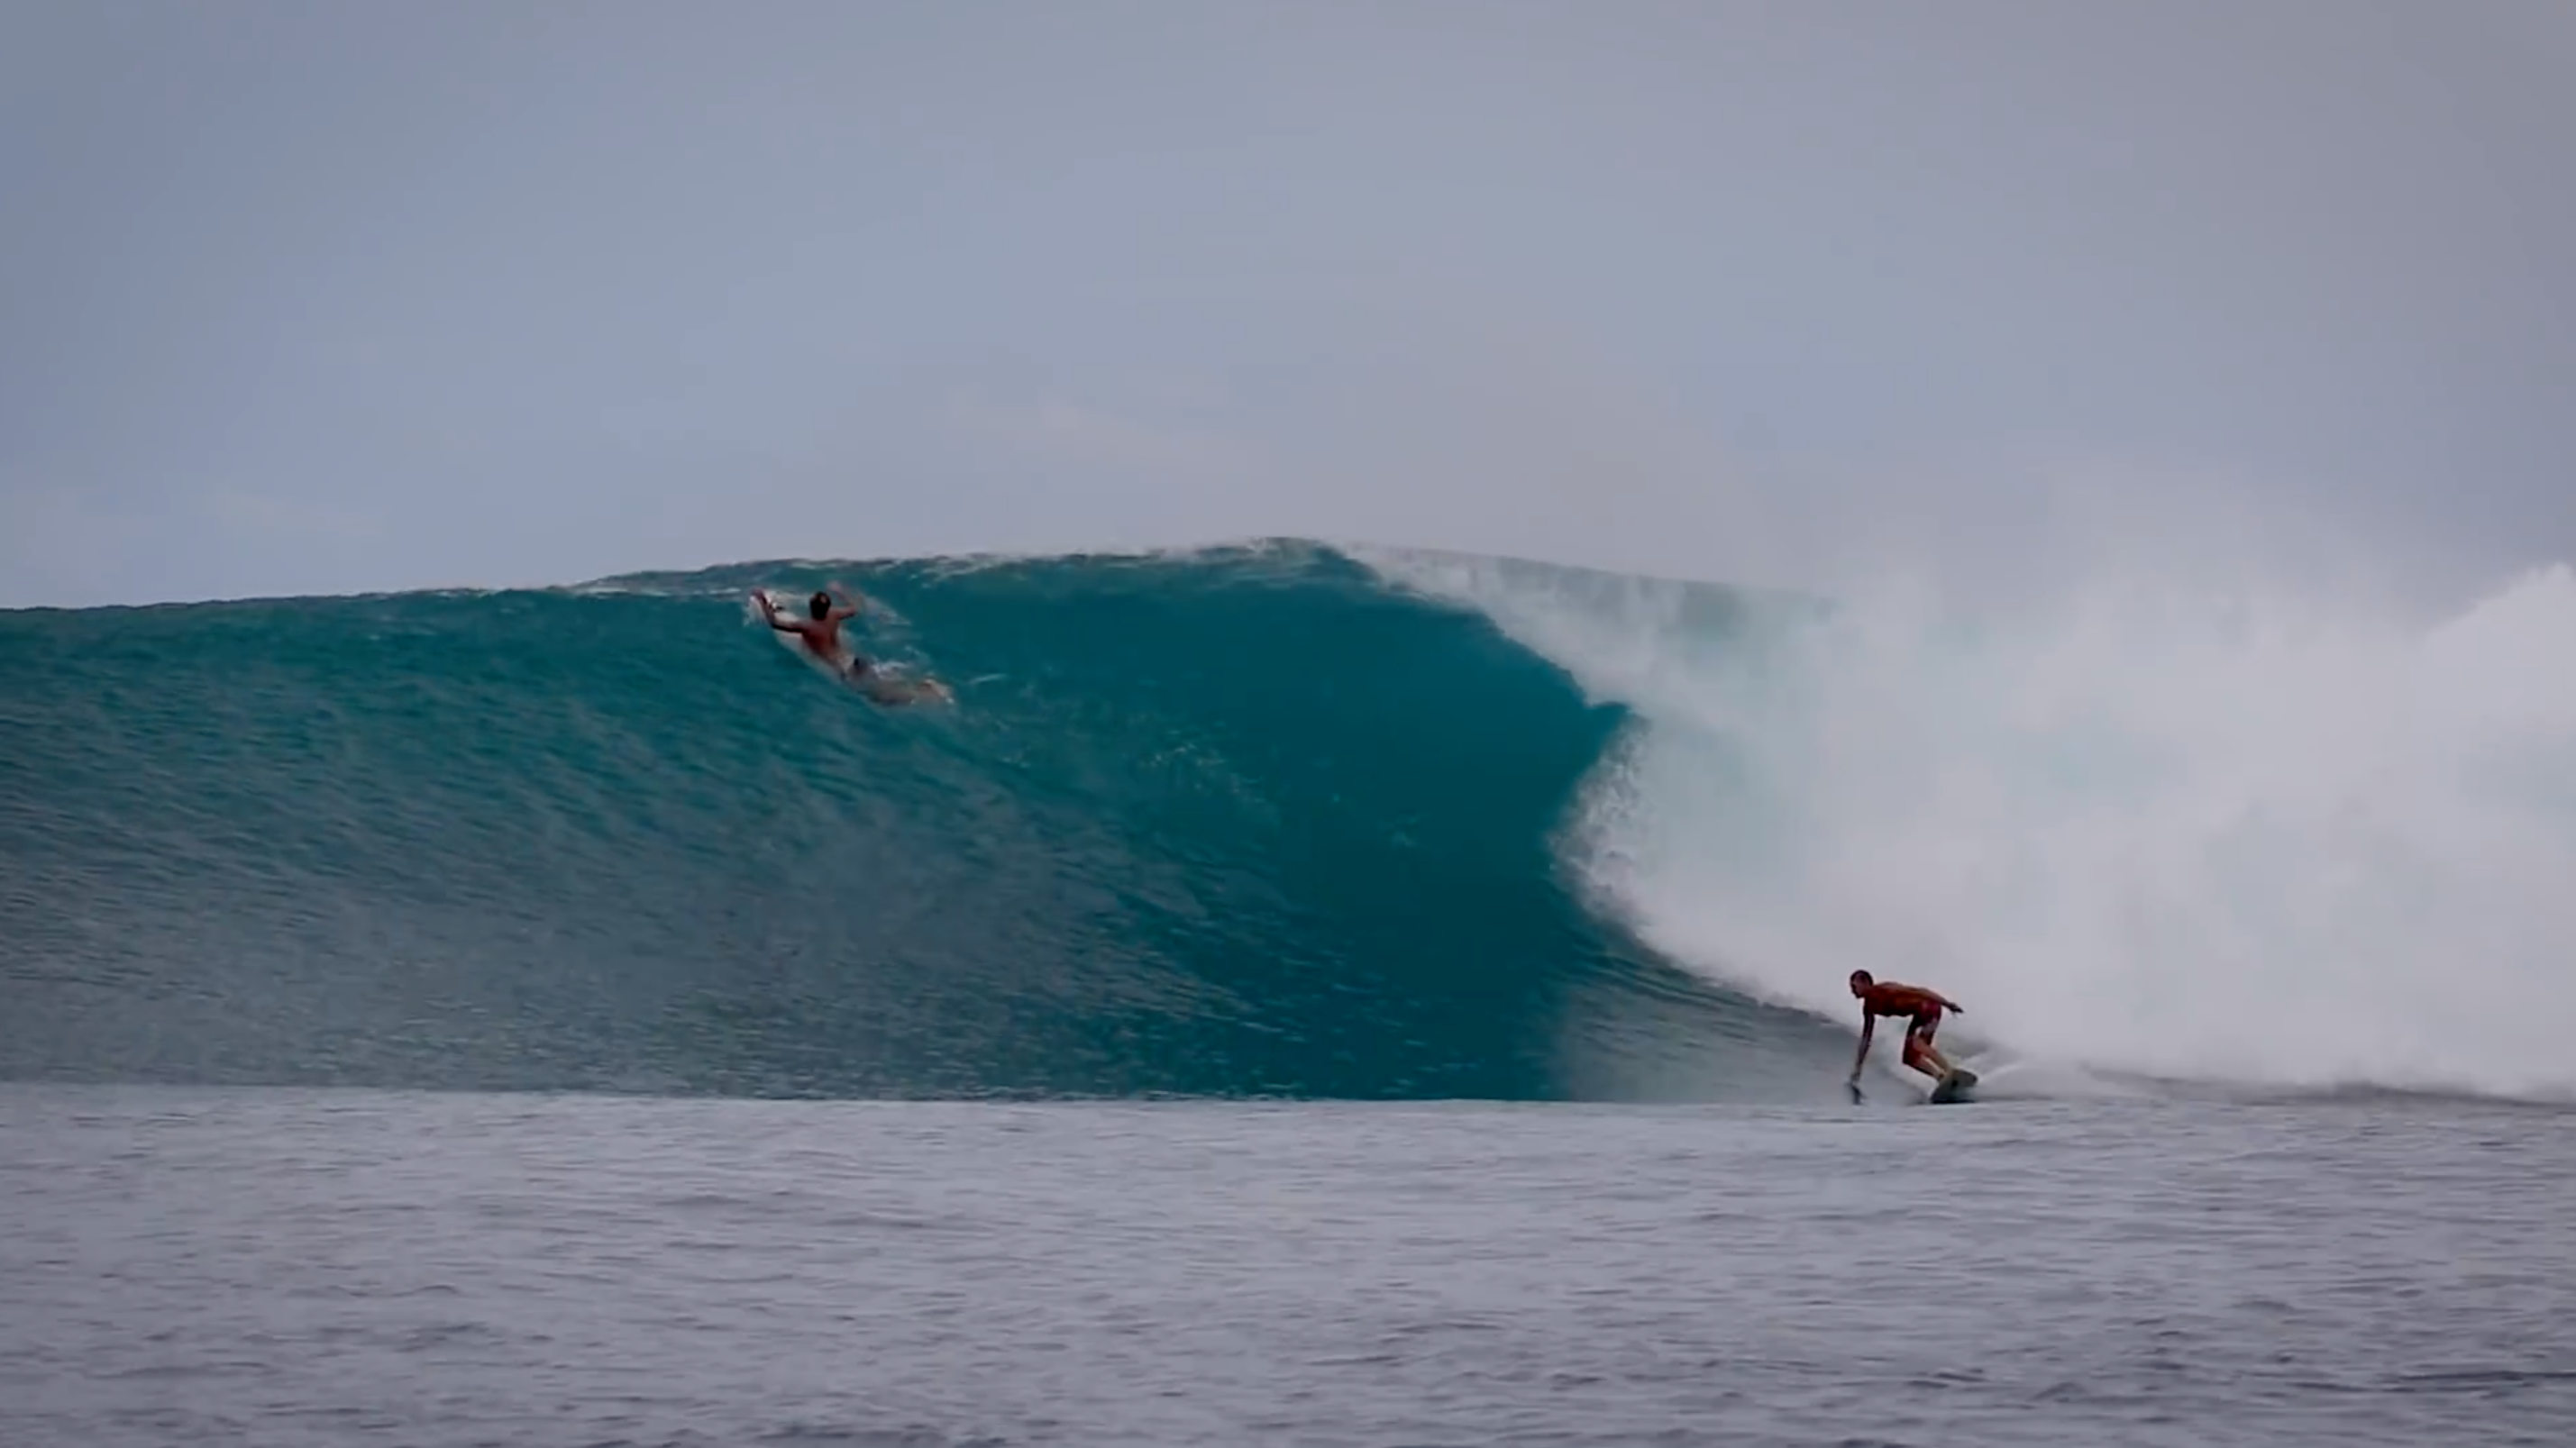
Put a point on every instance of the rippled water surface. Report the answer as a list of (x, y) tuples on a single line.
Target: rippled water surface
[(356, 1267)]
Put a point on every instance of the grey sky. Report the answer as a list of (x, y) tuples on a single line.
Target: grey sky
[(301, 297)]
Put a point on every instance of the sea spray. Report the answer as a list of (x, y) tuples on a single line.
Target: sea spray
[(2160, 829)]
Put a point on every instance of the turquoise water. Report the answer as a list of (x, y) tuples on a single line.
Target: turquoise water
[(1242, 822)]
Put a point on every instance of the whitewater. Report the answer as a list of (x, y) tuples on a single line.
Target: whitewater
[(2155, 832)]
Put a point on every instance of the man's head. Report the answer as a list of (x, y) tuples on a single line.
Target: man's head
[(1861, 981), (820, 605)]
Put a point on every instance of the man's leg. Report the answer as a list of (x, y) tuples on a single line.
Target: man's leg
[(1922, 1055)]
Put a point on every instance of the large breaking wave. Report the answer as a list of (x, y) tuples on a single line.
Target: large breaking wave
[(1278, 819)]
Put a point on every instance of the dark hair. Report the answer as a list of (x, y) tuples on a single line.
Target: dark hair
[(1862, 977), (819, 605)]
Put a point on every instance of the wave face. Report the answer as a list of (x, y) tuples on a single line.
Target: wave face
[(2149, 833), (1242, 822), (1284, 820)]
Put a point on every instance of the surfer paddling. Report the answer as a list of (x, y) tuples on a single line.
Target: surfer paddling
[(1922, 1009), (820, 632)]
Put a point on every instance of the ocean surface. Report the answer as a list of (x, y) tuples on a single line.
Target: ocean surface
[(323, 1267), (1295, 994)]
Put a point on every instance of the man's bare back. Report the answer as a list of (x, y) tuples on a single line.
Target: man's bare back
[(820, 632)]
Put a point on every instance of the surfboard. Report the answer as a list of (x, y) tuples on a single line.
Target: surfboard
[(895, 690), (1954, 1087)]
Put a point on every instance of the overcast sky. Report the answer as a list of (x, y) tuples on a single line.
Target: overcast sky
[(326, 297)]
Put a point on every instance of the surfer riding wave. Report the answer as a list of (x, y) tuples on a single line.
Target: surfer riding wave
[(1921, 1007)]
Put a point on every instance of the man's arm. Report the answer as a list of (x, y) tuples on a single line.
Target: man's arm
[(848, 608), (1868, 1027), (769, 611)]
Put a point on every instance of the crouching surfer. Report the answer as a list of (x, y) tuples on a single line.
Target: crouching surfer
[(1922, 1010), (820, 632)]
